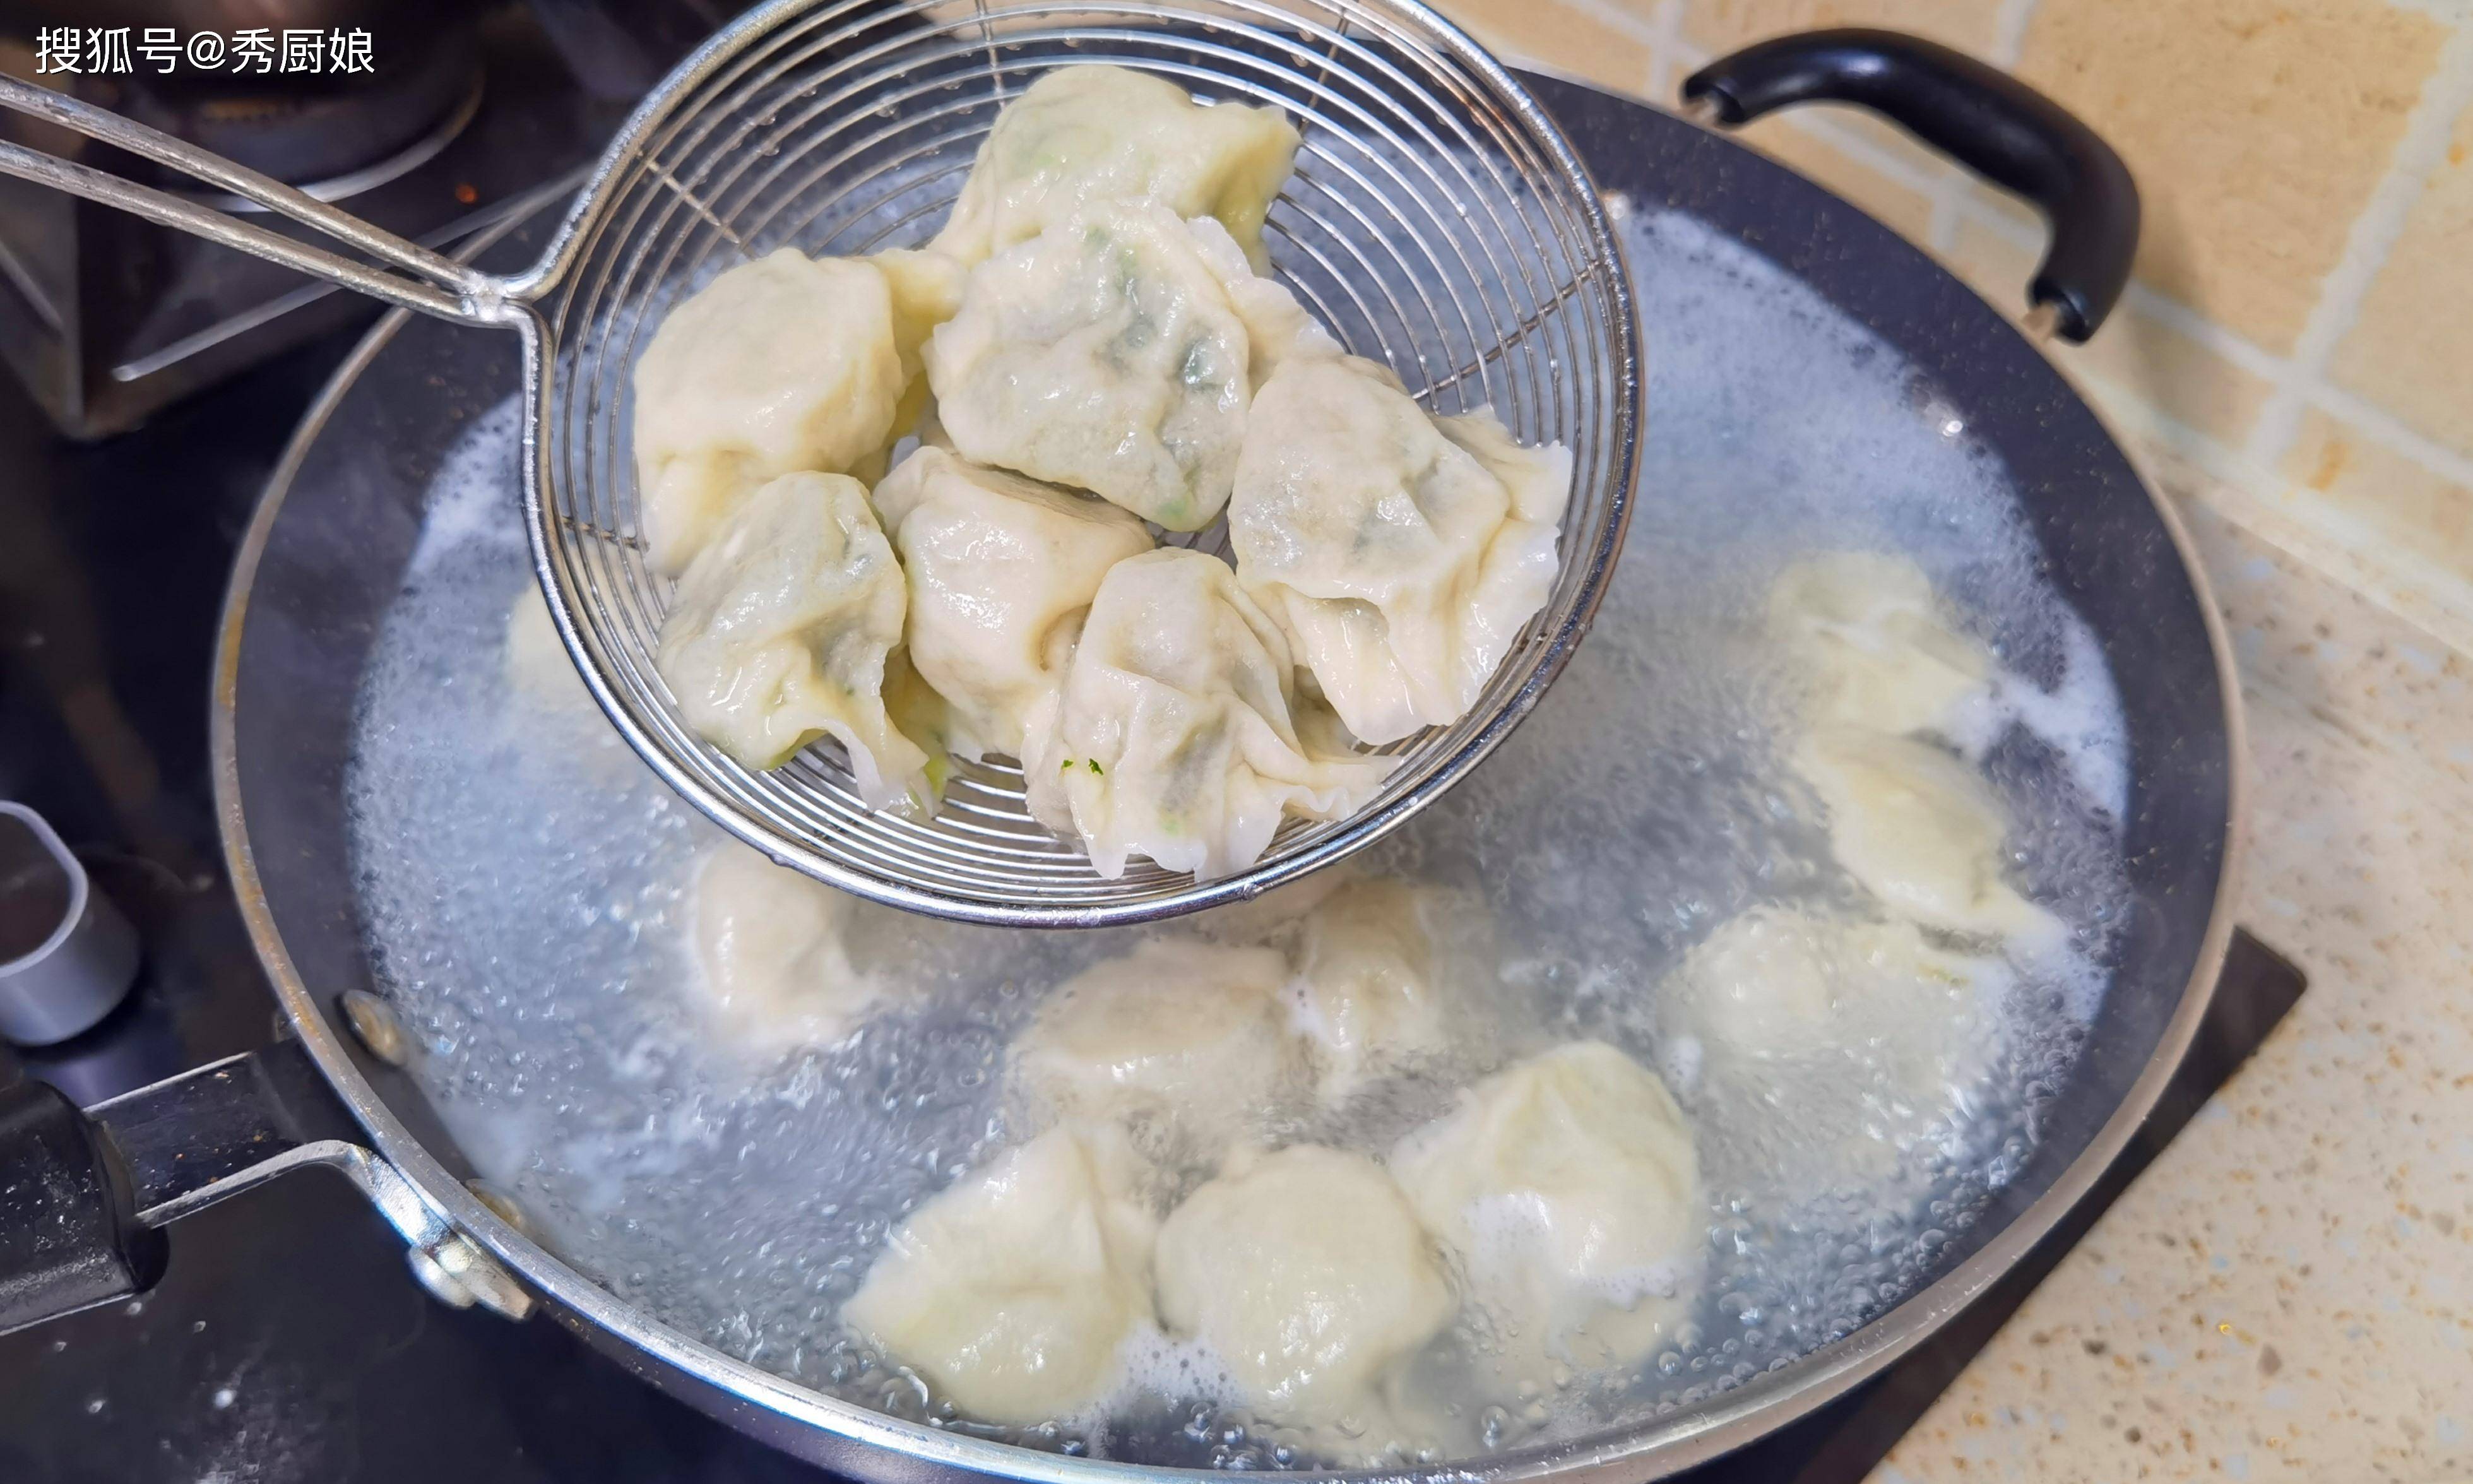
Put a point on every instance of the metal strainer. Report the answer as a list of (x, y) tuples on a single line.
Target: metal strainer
[(1438, 221)]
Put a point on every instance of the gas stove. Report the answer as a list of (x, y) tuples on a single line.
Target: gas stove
[(465, 121), (289, 1341)]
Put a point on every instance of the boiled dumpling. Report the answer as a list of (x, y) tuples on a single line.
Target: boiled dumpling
[(1917, 829), (1874, 647), (1777, 982), (784, 364), (778, 632), (1001, 570), (1177, 1040), (1569, 1188), (1306, 1272), (1367, 998), (926, 290), (1102, 133), (1114, 353), (771, 954), (1400, 553), (1012, 1291), (1177, 735)]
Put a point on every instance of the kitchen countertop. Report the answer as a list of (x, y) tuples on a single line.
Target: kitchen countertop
[(2287, 1293)]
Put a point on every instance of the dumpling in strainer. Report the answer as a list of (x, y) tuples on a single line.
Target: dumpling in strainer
[(1400, 553), (1104, 134)]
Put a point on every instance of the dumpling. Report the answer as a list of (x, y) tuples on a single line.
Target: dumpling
[(1177, 1040), (1917, 829), (1001, 570), (1012, 1291), (1870, 637), (1777, 983), (1116, 353), (1176, 734), (1400, 553), (1366, 994), (1102, 133), (779, 631), (1838, 1044), (926, 290), (1306, 1272), (784, 364), (771, 956), (1569, 1188)]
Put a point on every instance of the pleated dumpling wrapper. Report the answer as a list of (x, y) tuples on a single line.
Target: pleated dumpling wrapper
[(1569, 1188), (1116, 353), (1001, 571), (1104, 134), (779, 631), (784, 364), (1181, 1043), (1307, 1274), (1368, 994), (772, 955), (1874, 644), (1179, 735), (1782, 983), (1400, 553), (1012, 1291), (1917, 827)]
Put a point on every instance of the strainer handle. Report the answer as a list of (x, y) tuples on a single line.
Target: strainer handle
[(453, 290)]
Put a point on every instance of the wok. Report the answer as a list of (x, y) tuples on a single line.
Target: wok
[(84, 1196)]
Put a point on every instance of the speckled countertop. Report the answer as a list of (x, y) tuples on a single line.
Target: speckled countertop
[(2287, 1293)]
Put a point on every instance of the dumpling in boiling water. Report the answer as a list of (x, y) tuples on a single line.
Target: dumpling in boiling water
[(1918, 829), (1177, 1040), (1012, 1291), (1177, 734), (1001, 570), (779, 631), (1113, 353), (1568, 1187), (1367, 995), (1783, 984), (1103, 133), (784, 364), (1400, 553), (771, 955), (1874, 643), (1306, 1272)]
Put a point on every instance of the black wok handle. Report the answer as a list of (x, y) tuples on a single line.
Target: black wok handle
[(1979, 115), (85, 1194), (69, 1234)]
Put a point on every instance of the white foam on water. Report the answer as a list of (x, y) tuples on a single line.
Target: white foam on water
[(528, 912)]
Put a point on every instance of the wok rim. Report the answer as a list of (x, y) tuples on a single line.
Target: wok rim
[(1650, 1449)]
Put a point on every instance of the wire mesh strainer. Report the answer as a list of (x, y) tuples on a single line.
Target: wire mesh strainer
[(1438, 221)]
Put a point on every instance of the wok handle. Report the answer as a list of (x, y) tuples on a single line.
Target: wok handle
[(1979, 115), (85, 1194), (69, 1234)]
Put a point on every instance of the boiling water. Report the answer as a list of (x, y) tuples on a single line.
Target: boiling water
[(525, 879)]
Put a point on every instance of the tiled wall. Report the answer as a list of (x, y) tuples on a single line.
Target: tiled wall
[(2298, 347)]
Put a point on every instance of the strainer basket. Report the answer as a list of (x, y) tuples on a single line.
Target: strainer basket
[(1438, 221)]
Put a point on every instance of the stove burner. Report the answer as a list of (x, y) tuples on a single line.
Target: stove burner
[(109, 318), (332, 138)]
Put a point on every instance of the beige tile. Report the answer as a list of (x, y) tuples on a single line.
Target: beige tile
[(1720, 26), (1561, 37), (2411, 349), (2136, 354), (2257, 129), (1993, 265), (1902, 207), (2420, 517)]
